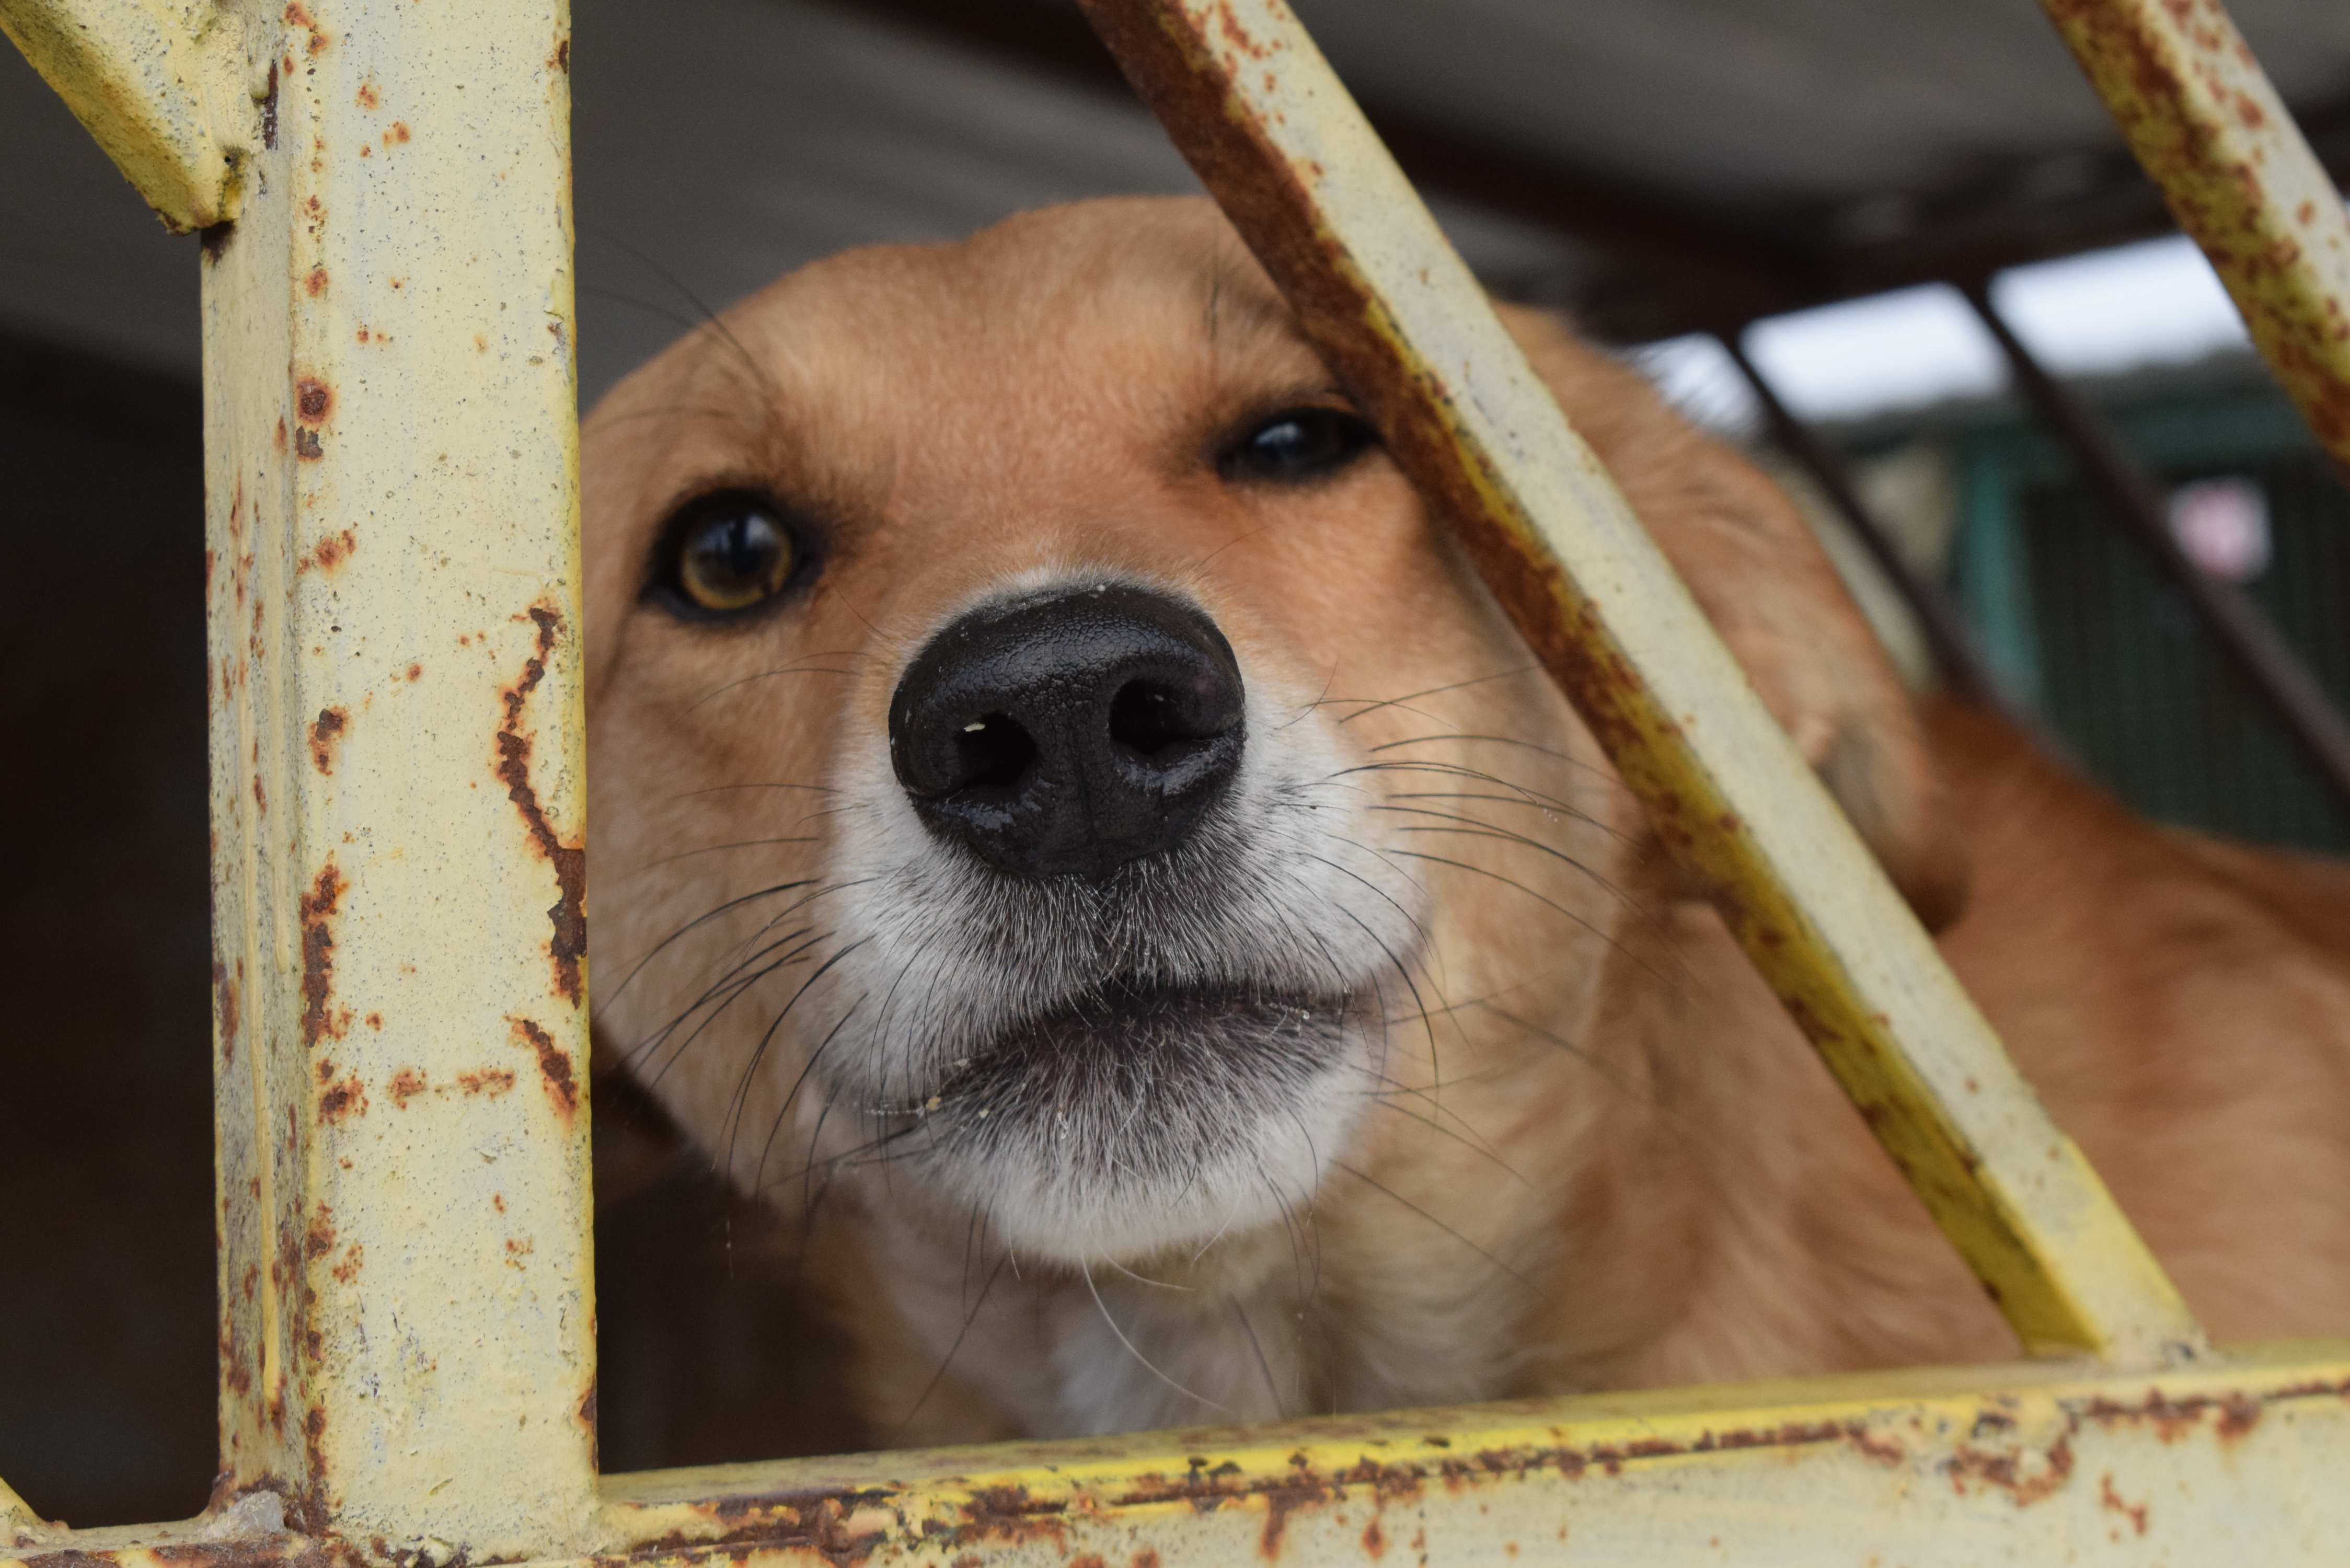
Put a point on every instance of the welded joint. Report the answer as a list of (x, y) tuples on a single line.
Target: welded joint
[(169, 88)]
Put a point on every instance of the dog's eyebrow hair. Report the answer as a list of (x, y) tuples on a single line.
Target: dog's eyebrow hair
[(1253, 313)]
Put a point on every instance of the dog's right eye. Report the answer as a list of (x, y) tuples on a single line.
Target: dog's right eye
[(725, 553), (1297, 446)]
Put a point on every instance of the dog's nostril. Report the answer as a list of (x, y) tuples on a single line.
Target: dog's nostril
[(994, 751), (1068, 733), (1149, 719)]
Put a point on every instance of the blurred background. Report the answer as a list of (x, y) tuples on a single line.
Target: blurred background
[(1811, 181)]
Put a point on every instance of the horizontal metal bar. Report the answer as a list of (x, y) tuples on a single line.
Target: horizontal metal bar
[(2207, 125), (2263, 657), (1274, 135), (2235, 1460), (166, 87)]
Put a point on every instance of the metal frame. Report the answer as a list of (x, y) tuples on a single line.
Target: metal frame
[(407, 1333)]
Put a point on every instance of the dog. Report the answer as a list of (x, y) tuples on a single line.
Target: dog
[(1072, 835)]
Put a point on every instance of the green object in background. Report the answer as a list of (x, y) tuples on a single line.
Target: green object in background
[(2083, 626)]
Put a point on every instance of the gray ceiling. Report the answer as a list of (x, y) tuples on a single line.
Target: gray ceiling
[(721, 143)]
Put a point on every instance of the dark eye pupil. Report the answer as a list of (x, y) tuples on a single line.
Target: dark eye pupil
[(1302, 443), (734, 559)]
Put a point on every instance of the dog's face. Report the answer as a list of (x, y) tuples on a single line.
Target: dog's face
[(1046, 760)]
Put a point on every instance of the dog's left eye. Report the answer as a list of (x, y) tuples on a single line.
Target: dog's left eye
[(1297, 445)]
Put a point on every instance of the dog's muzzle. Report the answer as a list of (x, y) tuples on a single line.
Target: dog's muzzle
[(1070, 733)]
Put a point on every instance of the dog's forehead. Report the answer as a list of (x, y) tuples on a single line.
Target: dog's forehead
[(1115, 316)]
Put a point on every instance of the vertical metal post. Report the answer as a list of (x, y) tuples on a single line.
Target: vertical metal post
[(406, 1332), (2264, 659), (1962, 665)]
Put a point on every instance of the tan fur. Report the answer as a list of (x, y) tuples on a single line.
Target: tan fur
[(1605, 1158)]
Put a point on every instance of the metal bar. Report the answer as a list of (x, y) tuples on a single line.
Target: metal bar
[(2267, 663), (1272, 132), (2227, 1462), (20, 1527), (407, 1354), (164, 86), (2212, 131), (1962, 665)]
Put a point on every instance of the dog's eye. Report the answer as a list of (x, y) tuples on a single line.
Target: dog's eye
[(725, 553), (1297, 445)]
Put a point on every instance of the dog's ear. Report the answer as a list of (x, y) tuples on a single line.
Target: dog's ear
[(1762, 579)]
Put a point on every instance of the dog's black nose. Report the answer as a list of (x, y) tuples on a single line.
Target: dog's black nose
[(1068, 733)]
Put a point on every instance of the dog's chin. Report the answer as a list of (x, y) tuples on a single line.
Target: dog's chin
[(1145, 1117)]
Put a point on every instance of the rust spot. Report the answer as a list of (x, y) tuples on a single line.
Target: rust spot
[(349, 1268), (1375, 1545), (314, 400), (480, 343), (490, 1081), (406, 1085), (2004, 1471), (260, 795), (2111, 1501), (396, 135), (306, 446), (316, 284), (319, 1240), (561, 59), (328, 552), (224, 1007), (369, 97), (587, 1418), (553, 1065), (415, 670), (568, 914), (375, 1022), (279, 441), (326, 733), (318, 907), (498, 1202), (344, 1099), (214, 239), (269, 109)]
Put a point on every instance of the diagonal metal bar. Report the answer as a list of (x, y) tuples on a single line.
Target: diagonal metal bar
[(2207, 125), (1274, 135), (166, 87), (2264, 659), (1963, 667)]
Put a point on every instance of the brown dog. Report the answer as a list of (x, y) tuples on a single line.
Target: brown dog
[(1073, 834)]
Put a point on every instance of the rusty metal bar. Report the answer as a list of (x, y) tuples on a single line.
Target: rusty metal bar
[(1274, 135), (166, 87), (2226, 1462), (1962, 665), (391, 534), (2207, 125), (2264, 659)]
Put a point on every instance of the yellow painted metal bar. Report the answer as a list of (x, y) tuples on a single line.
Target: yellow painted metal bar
[(20, 1527), (1273, 134), (2238, 1461), (167, 86), (2208, 126), (407, 1351)]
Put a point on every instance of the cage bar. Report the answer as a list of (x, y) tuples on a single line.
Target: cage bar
[(407, 1344), (2208, 126)]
